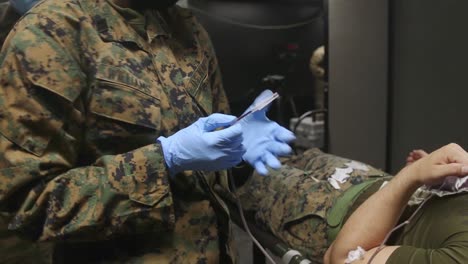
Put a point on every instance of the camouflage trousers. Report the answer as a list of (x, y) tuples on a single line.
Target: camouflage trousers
[(294, 203)]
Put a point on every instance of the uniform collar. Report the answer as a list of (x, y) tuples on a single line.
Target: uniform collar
[(156, 25)]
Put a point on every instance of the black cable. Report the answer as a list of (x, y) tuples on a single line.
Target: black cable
[(307, 114), (244, 222), (318, 15)]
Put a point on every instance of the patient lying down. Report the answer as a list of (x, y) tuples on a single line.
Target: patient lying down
[(326, 207)]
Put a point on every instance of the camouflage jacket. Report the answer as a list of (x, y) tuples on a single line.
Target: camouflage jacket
[(8, 18), (83, 97)]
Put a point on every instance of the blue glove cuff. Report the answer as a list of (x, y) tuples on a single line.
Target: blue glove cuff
[(165, 145)]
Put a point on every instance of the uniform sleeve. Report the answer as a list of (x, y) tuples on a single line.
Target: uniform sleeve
[(455, 251), (51, 195)]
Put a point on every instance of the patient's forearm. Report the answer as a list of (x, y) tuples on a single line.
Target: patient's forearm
[(369, 224)]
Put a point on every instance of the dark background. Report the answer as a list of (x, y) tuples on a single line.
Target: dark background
[(397, 78), (428, 76), (247, 55), (397, 68)]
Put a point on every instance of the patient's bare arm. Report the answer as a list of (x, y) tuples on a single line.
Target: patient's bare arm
[(369, 224)]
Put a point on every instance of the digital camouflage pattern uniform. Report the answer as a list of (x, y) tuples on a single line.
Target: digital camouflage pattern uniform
[(8, 18), (12, 248), (295, 202), (83, 96)]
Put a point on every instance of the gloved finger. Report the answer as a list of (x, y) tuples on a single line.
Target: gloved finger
[(229, 143), (260, 168), (284, 135), (228, 135), (236, 151), (271, 161), (279, 149), (215, 121)]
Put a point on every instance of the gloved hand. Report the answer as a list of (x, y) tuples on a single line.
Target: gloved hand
[(22, 6), (264, 139), (199, 147)]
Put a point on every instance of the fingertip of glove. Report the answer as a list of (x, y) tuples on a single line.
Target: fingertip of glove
[(260, 168), (287, 148), (275, 166), (284, 135), (272, 161), (280, 149)]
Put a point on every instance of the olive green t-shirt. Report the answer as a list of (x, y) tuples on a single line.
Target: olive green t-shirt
[(438, 234)]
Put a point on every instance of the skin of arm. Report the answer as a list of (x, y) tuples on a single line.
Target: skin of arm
[(370, 223)]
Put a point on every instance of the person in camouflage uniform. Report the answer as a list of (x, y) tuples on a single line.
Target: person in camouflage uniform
[(86, 87)]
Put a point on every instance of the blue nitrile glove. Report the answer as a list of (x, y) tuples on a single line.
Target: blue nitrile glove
[(22, 6), (200, 147), (264, 140)]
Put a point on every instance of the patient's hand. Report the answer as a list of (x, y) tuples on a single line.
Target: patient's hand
[(432, 169), (415, 155)]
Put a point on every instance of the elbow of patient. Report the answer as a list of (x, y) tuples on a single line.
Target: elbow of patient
[(326, 257), (333, 257)]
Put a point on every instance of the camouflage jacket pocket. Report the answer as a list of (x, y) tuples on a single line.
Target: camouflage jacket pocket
[(311, 199), (297, 201), (305, 226), (125, 99)]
